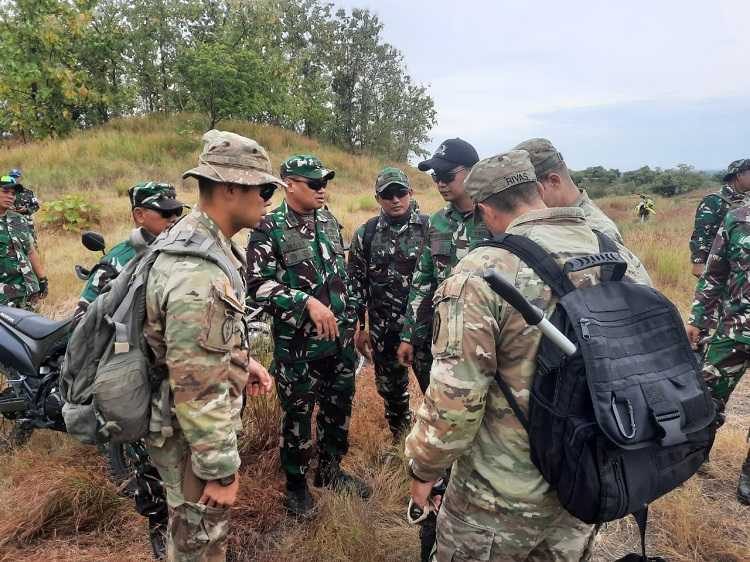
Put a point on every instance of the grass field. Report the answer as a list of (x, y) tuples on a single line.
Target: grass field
[(57, 504)]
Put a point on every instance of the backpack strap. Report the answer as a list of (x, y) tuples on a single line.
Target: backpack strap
[(610, 271), (370, 228)]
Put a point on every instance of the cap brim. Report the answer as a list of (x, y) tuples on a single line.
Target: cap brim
[(382, 188), (166, 205), (233, 175), (317, 174), (437, 164)]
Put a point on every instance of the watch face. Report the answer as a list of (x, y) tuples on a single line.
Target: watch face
[(227, 480)]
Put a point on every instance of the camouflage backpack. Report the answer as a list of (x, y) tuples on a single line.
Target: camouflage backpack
[(107, 378)]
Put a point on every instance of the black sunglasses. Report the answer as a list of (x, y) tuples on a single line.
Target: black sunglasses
[(315, 185), (267, 190), (169, 213), (391, 192), (445, 177)]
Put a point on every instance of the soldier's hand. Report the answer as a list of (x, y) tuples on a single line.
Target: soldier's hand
[(363, 343), (216, 495), (698, 269), (420, 492), (694, 335), (405, 354), (43, 287), (258, 380), (323, 318)]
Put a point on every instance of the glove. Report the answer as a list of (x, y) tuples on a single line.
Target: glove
[(43, 287)]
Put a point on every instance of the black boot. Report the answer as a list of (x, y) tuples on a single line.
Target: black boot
[(743, 488), (157, 534), (298, 500), (331, 475)]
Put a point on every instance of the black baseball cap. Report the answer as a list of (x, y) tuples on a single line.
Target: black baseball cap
[(450, 154)]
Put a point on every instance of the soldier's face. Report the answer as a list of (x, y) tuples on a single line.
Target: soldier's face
[(395, 200), (250, 207), (743, 181), (155, 221), (302, 197), (7, 197), (454, 189)]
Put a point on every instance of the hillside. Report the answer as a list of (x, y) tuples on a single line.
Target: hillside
[(57, 504)]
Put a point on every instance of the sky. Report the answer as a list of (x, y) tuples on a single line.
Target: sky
[(620, 84)]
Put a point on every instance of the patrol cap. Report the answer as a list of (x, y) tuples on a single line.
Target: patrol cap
[(307, 166), (737, 167), (231, 158), (544, 156), (498, 173), (450, 154), (389, 176), (154, 195)]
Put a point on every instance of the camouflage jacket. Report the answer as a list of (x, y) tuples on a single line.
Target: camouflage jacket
[(596, 218), (195, 328), (111, 264), (724, 284), (464, 416), (18, 281), (26, 202), (381, 287), (708, 218), (288, 263), (449, 238)]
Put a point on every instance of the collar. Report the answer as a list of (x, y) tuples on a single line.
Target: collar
[(454, 213), (731, 193), (413, 217), (294, 219), (573, 213), (582, 198)]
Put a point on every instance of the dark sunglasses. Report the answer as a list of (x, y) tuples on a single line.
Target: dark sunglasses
[(169, 213), (445, 177), (315, 185), (391, 192), (267, 190)]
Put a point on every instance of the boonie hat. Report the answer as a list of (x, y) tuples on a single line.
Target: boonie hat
[(544, 156), (154, 195), (450, 154), (389, 176), (498, 173), (737, 167), (231, 158), (307, 166)]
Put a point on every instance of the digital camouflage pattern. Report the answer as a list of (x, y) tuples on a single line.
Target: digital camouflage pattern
[(466, 422), (195, 328), (596, 218), (724, 283), (291, 258), (708, 218), (328, 382), (18, 282), (154, 195), (381, 288), (737, 167), (26, 202), (450, 235), (307, 166)]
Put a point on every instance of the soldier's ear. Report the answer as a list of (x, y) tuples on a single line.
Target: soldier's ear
[(138, 216)]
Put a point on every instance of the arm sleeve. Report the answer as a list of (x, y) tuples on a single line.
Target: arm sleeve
[(705, 227), (263, 287), (357, 269), (711, 285), (420, 295), (464, 366)]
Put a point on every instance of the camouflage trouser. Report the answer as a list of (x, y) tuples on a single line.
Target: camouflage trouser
[(196, 532), (329, 382), (467, 534), (724, 364), (391, 380)]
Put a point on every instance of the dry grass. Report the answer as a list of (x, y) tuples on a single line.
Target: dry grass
[(56, 503)]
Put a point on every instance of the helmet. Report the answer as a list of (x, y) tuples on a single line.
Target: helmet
[(15, 173)]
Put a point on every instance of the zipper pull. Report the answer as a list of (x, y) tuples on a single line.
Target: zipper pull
[(584, 322)]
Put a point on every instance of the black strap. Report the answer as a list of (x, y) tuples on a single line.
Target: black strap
[(610, 272), (641, 517), (370, 228), (537, 258)]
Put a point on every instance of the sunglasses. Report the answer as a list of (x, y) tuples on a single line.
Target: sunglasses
[(445, 177), (267, 190), (168, 214), (389, 193), (315, 185)]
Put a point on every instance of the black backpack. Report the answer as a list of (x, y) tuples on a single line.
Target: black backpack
[(627, 418)]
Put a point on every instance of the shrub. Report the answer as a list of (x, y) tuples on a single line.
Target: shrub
[(73, 213)]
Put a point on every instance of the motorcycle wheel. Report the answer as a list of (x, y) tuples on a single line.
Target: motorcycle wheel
[(121, 467)]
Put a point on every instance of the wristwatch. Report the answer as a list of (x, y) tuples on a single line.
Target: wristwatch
[(410, 470), (226, 481)]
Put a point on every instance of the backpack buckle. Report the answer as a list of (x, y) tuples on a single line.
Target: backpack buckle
[(670, 424)]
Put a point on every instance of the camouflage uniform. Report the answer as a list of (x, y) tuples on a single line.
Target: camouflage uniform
[(26, 204), (196, 330), (293, 257), (450, 235), (497, 507), (18, 282), (708, 218), (381, 288)]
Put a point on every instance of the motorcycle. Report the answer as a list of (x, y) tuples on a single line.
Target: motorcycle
[(32, 349)]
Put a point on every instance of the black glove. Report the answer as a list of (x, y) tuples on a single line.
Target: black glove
[(43, 287)]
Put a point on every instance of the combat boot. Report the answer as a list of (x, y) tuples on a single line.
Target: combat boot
[(743, 488), (331, 475), (298, 500)]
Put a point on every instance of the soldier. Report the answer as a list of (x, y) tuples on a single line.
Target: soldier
[(26, 203), (22, 279), (382, 257), (497, 506), (723, 287), (450, 233), (298, 275), (559, 189), (154, 207), (196, 331), (711, 211)]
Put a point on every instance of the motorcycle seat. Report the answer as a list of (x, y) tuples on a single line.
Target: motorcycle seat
[(30, 324)]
